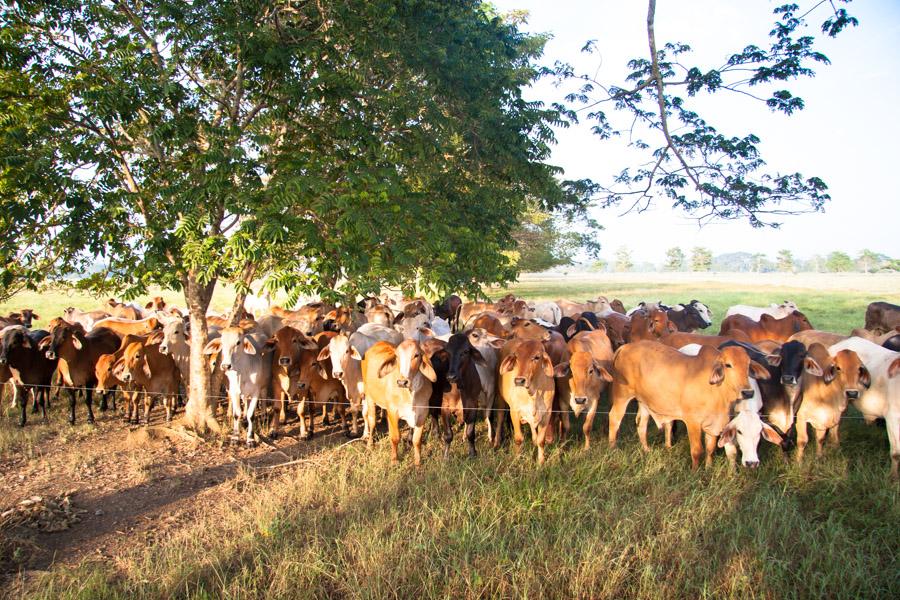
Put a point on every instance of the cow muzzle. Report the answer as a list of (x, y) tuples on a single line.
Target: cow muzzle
[(284, 361), (2, 360), (403, 383), (852, 394), (788, 380), (226, 366), (301, 386), (163, 350), (746, 394), (580, 399), (752, 464), (519, 381), (126, 377), (452, 378), (50, 354)]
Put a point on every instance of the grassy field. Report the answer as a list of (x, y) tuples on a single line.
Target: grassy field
[(589, 524)]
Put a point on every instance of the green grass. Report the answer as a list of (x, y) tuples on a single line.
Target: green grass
[(589, 524)]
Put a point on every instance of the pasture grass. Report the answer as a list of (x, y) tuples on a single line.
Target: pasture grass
[(599, 523)]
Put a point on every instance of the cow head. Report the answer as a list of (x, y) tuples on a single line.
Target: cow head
[(527, 361), (704, 312), (408, 362), (64, 335), (14, 336), (174, 335), (744, 431), (233, 340), (461, 354), (587, 379), (288, 344), (528, 329)]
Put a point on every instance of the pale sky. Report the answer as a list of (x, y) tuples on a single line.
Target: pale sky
[(848, 134)]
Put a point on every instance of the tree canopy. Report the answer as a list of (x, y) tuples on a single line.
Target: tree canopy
[(699, 168)]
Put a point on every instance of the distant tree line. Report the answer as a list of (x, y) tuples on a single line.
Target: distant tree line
[(700, 259)]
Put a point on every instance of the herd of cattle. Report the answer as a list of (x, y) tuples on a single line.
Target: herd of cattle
[(767, 374)]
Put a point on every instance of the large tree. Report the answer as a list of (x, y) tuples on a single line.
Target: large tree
[(690, 161), (544, 242), (313, 143)]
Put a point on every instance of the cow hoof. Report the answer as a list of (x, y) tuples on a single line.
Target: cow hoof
[(90, 421), (21, 423), (273, 435), (234, 440), (251, 443)]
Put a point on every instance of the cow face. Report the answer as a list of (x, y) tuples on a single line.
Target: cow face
[(15, 336), (288, 343), (309, 322), (339, 352), (732, 369), (587, 379), (64, 335), (527, 361), (174, 335), (135, 363), (527, 329), (461, 353), (410, 362), (704, 312), (233, 340), (744, 431), (849, 373)]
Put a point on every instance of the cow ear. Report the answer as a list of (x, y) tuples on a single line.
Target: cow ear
[(773, 359), (332, 315), (309, 344), (118, 368), (35, 317), (864, 377), (561, 370), (149, 305), (727, 435), (398, 319), (324, 354), (508, 363), (812, 367), (603, 372), (830, 374), (670, 326), (213, 347), (427, 370), (271, 342), (893, 370), (570, 331), (248, 346), (386, 367), (76, 342), (155, 338), (757, 371), (498, 343), (718, 373), (45, 342), (770, 434), (425, 331), (146, 369), (354, 354), (548, 366), (547, 336)]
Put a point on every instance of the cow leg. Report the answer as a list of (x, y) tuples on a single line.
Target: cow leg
[(892, 423), (710, 447), (22, 396), (643, 421), (235, 406), (820, 441), (417, 445), (103, 402), (394, 432), (87, 402), (170, 406), (148, 406), (44, 396), (34, 401), (731, 454), (667, 427), (518, 438), (277, 413), (251, 408), (73, 394), (446, 433), (694, 435), (369, 420), (325, 421), (802, 438), (834, 439), (312, 417), (589, 423), (301, 414), (620, 396), (470, 417)]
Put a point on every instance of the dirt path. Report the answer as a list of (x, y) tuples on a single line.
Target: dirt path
[(126, 486)]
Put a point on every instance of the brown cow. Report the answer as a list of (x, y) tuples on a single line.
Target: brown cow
[(157, 374), (811, 336), (680, 339), (527, 387), (289, 345), (471, 309), (345, 319), (699, 390), (123, 311), (318, 390), (828, 383), (399, 381), (78, 352), (309, 319), (588, 372), (650, 325), (768, 327), (618, 328), (881, 317), (107, 381), (123, 326), (490, 322), (600, 306), (616, 305)]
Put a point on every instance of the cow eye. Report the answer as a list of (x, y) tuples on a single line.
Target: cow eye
[(536, 358), (727, 365), (739, 432)]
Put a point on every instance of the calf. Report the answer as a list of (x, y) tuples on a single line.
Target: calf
[(882, 398), (23, 317), (650, 325), (78, 352), (465, 394), (343, 318), (699, 390), (448, 309), (811, 336), (318, 390), (588, 373), (829, 382), (600, 305), (527, 387), (399, 381), (768, 327), (143, 365), (248, 370), (289, 345), (472, 309), (108, 379), (29, 368), (490, 322), (380, 315)]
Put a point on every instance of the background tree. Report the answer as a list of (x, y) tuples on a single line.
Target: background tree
[(302, 142), (870, 261), (839, 262), (543, 242), (623, 259), (674, 259), (691, 162), (785, 261), (701, 259)]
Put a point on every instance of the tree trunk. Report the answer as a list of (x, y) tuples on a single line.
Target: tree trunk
[(199, 413)]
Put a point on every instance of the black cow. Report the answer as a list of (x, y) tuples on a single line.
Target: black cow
[(31, 369)]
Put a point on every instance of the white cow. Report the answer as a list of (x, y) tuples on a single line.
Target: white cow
[(547, 311), (248, 367), (882, 399), (779, 311)]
